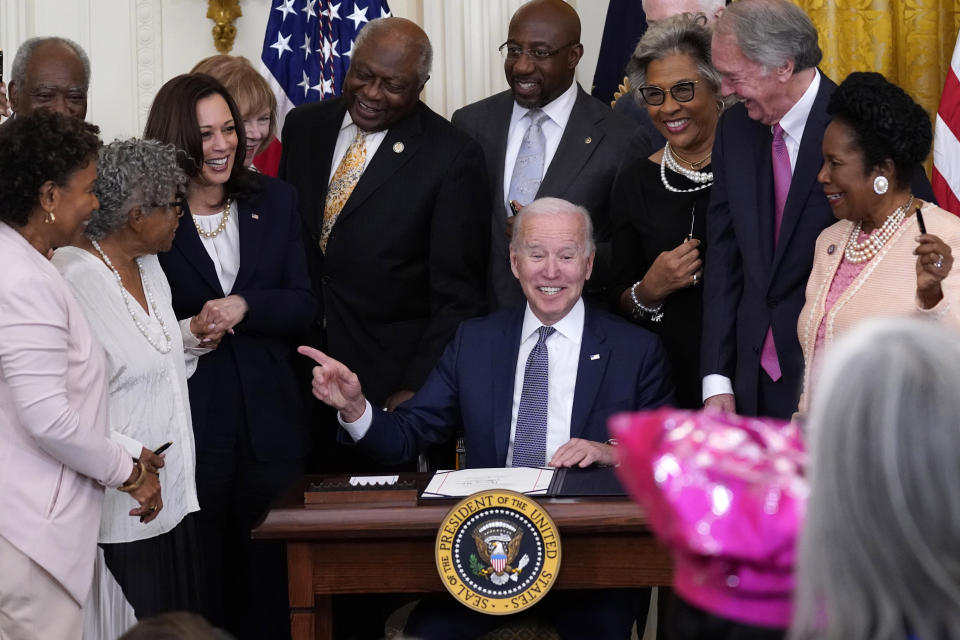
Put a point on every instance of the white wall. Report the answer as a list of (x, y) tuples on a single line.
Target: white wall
[(137, 45)]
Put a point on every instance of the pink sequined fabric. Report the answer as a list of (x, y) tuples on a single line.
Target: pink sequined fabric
[(727, 494)]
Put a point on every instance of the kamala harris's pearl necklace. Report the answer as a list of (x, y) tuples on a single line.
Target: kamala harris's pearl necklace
[(164, 348), (858, 253), (704, 179)]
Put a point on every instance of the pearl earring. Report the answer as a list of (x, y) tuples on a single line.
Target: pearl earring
[(51, 217), (880, 185)]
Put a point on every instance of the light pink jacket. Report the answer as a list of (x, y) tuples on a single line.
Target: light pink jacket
[(55, 453)]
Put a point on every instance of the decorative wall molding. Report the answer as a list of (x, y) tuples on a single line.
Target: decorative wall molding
[(148, 39)]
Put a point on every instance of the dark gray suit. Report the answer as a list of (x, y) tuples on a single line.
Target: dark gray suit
[(594, 145)]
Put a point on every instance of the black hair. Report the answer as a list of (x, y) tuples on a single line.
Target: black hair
[(37, 148), (885, 121)]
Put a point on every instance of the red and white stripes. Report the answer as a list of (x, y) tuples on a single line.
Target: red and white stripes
[(946, 141)]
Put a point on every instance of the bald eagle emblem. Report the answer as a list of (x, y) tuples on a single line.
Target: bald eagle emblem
[(498, 543)]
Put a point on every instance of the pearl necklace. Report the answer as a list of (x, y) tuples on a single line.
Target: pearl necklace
[(165, 348), (223, 223), (693, 165), (858, 253), (704, 179)]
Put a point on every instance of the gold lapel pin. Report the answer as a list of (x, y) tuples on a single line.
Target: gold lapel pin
[(255, 216), (588, 140), (398, 147)]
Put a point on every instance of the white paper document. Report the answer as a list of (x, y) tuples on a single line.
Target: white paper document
[(457, 484)]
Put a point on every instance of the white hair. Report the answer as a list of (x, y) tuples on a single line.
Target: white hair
[(878, 554), (707, 7), (553, 207)]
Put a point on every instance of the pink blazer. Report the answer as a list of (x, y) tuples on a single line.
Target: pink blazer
[(887, 286), (55, 453)]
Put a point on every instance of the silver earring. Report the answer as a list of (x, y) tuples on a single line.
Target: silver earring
[(880, 185)]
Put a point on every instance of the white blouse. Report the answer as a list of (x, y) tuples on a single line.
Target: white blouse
[(224, 250), (149, 404)]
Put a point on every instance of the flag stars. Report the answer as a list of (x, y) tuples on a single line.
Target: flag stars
[(282, 44), (305, 83), (308, 10), (352, 47), (306, 47), (333, 11), (286, 8), (384, 13), (358, 16)]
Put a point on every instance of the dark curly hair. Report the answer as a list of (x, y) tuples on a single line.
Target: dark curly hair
[(36, 148), (885, 121)]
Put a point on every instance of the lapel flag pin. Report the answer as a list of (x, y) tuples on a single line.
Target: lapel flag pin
[(595, 356), (398, 147), (255, 216)]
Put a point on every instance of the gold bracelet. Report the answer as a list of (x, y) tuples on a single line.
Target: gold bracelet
[(133, 486)]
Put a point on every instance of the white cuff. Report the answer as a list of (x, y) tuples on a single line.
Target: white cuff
[(716, 384), (129, 445), (359, 428)]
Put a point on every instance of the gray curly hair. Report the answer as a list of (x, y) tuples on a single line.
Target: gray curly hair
[(130, 173)]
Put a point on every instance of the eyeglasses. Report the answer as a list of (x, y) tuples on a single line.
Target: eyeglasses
[(681, 92), (176, 205), (513, 52)]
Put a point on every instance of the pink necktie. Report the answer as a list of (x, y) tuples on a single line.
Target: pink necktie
[(781, 187)]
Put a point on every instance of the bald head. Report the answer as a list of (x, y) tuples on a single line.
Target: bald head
[(656, 10), (542, 51)]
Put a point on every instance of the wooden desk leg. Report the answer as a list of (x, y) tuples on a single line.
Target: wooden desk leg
[(324, 617), (309, 616)]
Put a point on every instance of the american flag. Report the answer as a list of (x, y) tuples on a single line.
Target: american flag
[(306, 52), (946, 142)]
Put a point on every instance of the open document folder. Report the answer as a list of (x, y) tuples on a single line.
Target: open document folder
[(539, 481)]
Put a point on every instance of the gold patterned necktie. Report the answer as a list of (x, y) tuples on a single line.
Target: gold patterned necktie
[(341, 186)]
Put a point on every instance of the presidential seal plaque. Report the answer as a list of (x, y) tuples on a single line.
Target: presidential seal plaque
[(498, 552)]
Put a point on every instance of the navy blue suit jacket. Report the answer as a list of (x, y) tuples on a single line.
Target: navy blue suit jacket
[(749, 285), (253, 368), (472, 388)]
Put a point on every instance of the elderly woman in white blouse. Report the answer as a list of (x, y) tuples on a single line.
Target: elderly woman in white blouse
[(144, 568)]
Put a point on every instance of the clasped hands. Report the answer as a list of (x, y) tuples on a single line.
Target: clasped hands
[(148, 494), (336, 385), (218, 317)]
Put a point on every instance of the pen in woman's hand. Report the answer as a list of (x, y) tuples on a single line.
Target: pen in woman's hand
[(923, 227), (162, 448)]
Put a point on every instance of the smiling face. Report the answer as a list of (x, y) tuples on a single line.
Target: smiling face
[(54, 80), (763, 91), (257, 128), (382, 85), (72, 204), (551, 263), (689, 126), (219, 135), (849, 189), (548, 27)]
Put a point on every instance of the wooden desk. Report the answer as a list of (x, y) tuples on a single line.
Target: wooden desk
[(360, 549)]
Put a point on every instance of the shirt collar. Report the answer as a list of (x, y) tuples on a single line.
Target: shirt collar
[(569, 326), (794, 121), (557, 109)]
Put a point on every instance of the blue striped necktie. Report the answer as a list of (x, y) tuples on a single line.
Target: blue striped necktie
[(530, 439)]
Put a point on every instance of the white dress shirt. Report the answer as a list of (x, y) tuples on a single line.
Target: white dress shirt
[(224, 250), (563, 349), (348, 131), (793, 124), (558, 111), (149, 403)]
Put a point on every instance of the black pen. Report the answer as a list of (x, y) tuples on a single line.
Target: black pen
[(923, 227), (163, 448)]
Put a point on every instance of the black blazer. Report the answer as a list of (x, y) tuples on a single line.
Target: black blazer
[(748, 285), (407, 257), (595, 144), (621, 368), (254, 366)]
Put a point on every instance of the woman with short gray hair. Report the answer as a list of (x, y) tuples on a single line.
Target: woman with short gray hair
[(660, 203), (143, 568), (878, 554)]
